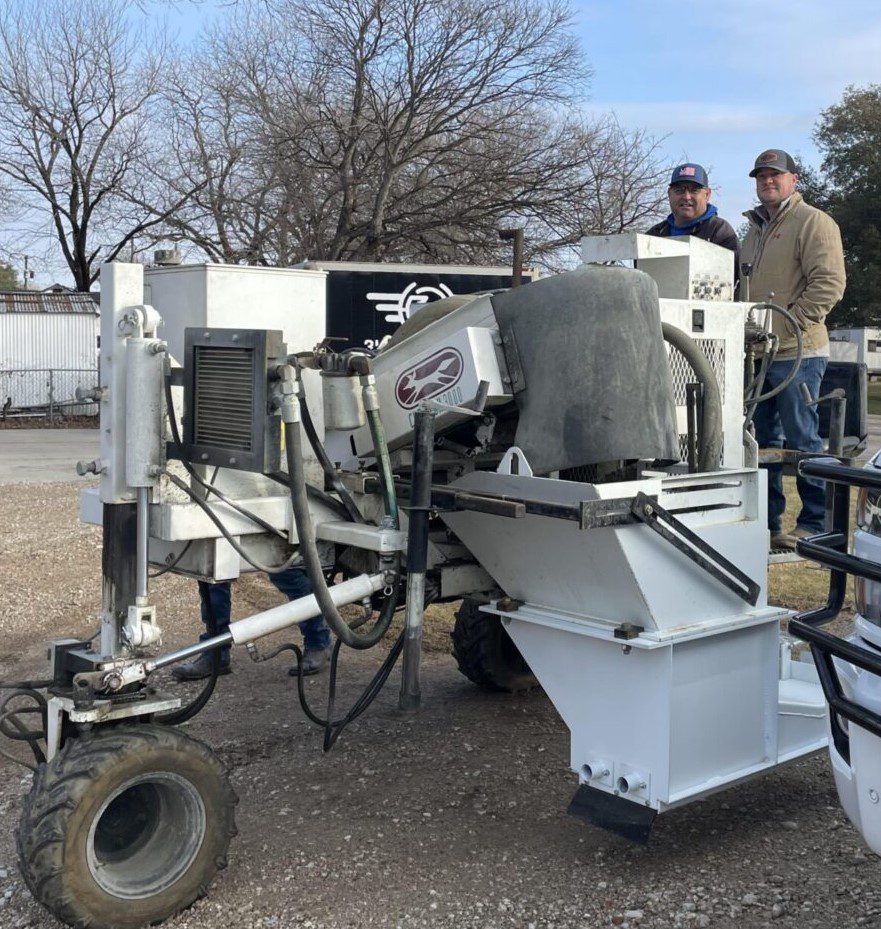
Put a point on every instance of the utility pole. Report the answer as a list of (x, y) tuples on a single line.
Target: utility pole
[(27, 258)]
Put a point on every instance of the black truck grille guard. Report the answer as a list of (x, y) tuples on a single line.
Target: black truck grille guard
[(830, 549)]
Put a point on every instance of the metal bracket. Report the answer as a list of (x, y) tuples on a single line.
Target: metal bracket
[(695, 548), (512, 359), (514, 462), (599, 514)]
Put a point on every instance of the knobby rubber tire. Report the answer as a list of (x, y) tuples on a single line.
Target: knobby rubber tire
[(70, 791), (486, 654)]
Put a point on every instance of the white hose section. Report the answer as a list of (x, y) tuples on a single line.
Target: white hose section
[(298, 611)]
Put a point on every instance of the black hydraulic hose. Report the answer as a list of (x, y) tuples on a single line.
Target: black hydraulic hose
[(185, 713), (14, 729), (312, 562), (755, 388), (799, 343), (173, 563), (268, 569), (710, 451), (333, 727), (326, 464), (281, 477)]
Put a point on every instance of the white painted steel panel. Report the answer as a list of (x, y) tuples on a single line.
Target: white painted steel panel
[(612, 574), (684, 268), (238, 297)]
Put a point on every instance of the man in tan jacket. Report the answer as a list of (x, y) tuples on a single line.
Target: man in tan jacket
[(793, 256)]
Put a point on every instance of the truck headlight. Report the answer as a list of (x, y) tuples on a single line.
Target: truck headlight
[(867, 594), (869, 511), (867, 598)]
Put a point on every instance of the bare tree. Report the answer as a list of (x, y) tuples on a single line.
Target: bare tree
[(398, 129), (77, 84)]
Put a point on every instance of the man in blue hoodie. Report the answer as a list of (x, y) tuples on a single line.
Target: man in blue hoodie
[(693, 214)]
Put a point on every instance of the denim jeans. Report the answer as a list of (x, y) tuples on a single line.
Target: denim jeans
[(787, 417), (293, 583)]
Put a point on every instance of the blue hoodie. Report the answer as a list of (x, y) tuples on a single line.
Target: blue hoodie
[(686, 230)]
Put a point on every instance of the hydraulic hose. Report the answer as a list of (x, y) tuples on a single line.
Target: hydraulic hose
[(309, 551), (268, 569), (387, 479), (799, 350), (711, 419), (352, 510), (197, 704)]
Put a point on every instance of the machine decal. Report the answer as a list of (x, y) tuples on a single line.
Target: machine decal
[(398, 307), (428, 378)]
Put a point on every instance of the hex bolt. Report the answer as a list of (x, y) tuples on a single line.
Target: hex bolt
[(204, 456), (233, 461), (90, 467)]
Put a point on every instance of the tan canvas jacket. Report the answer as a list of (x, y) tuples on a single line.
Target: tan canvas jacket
[(798, 257)]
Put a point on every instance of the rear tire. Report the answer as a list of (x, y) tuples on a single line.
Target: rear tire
[(486, 654), (125, 827)]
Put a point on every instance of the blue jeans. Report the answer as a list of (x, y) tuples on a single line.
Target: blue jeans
[(788, 417), (292, 582)]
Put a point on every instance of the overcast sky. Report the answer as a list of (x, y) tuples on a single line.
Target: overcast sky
[(719, 80)]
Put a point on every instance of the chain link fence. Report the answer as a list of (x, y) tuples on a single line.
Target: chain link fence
[(45, 392)]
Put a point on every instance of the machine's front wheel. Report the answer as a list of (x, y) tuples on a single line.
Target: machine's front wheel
[(486, 654), (125, 827)]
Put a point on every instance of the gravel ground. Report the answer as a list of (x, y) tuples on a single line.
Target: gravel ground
[(451, 818)]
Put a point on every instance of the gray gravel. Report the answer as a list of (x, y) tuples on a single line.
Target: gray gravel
[(452, 818)]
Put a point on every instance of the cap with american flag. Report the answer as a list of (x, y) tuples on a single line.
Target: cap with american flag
[(694, 173)]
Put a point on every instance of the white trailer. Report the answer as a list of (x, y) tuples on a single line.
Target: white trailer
[(867, 347)]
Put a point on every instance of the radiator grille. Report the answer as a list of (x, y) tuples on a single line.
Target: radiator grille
[(224, 397), (714, 350)]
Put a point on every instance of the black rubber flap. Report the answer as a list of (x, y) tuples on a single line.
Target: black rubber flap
[(623, 817), (591, 373)]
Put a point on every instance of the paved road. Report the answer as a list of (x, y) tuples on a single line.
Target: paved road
[(37, 455)]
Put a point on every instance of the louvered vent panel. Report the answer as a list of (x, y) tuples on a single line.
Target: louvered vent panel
[(224, 382)]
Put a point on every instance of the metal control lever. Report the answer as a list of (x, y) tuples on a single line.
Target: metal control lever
[(838, 400), (648, 512)]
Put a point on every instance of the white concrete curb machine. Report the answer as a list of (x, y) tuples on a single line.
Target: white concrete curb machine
[(567, 457)]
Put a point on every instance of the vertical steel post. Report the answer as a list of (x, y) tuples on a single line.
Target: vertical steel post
[(118, 570), (838, 402), (417, 557)]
